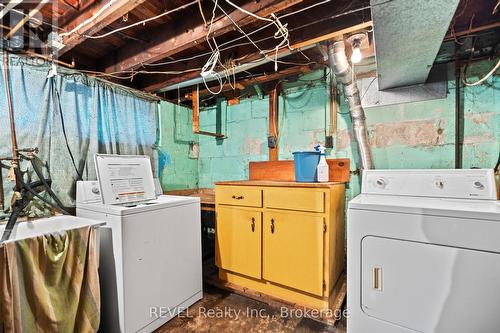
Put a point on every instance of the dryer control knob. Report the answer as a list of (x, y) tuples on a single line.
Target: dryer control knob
[(439, 184), (95, 190), (381, 183), (479, 185)]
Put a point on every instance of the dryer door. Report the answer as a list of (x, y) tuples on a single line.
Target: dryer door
[(430, 288)]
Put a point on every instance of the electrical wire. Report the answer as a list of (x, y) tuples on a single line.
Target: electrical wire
[(201, 12), (480, 81), (89, 20), (63, 126), (143, 21), (304, 9), (229, 46), (130, 74)]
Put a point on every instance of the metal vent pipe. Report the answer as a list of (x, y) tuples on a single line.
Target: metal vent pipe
[(343, 73)]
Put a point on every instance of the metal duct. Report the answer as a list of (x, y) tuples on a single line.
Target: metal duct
[(343, 72), (408, 35)]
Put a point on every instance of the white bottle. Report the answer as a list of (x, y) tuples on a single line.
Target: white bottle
[(322, 168)]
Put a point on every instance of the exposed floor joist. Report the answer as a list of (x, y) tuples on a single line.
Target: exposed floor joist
[(167, 42), (110, 13), (157, 86)]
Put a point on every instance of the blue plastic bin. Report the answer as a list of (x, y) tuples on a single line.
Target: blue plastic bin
[(306, 163)]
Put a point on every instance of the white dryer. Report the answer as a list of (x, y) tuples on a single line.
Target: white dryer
[(150, 253), (423, 253)]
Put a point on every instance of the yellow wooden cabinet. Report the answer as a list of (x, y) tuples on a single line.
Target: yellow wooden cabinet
[(283, 239)]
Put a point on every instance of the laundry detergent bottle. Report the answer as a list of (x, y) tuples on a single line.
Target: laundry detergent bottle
[(322, 168)]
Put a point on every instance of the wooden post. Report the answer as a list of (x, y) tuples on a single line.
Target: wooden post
[(273, 124), (196, 109)]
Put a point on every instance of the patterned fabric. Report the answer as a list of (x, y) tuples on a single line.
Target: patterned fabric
[(50, 283)]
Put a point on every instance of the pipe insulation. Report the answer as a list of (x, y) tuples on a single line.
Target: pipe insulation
[(343, 72)]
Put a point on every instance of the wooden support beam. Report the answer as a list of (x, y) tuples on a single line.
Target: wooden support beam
[(109, 14), (471, 31), (167, 42), (273, 123), (196, 110), (255, 56)]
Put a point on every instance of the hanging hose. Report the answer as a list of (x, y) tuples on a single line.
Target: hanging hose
[(47, 186)]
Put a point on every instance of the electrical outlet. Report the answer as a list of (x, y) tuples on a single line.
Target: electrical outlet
[(271, 142), (329, 141)]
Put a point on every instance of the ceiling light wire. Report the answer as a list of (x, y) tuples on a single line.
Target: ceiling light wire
[(136, 23)]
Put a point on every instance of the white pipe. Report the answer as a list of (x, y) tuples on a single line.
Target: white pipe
[(237, 69), (6, 8)]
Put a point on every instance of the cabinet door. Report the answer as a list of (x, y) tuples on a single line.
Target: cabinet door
[(239, 241), (293, 250)]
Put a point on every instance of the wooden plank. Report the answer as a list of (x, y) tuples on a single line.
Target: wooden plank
[(337, 297), (273, 122), (338, 170), (196, 109), (277, 183), (332, 35), (166, 42), (109, 14)]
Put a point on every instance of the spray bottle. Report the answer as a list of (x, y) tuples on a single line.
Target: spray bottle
[(322, 168)]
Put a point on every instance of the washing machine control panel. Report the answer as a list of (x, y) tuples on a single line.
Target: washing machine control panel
[(465, 184), (88, 192)]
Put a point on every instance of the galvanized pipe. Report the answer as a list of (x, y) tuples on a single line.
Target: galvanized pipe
[(15, 151), (343, 72)]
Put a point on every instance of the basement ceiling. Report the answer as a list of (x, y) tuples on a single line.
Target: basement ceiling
[(171, 46)]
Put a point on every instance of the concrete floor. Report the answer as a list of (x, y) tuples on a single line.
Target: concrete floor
[(223, 311)]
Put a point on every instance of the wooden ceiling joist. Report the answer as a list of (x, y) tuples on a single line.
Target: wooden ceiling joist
[(157, 86), (168, 42), (109, 14)]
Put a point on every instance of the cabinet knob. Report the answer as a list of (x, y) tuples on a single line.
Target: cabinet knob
[(239, 197), (253, 224), (272, 226)]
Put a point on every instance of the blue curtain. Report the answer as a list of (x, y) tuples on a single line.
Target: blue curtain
[(98, 117)]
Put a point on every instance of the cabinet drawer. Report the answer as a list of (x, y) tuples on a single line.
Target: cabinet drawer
[(238, 196), (304, 199)]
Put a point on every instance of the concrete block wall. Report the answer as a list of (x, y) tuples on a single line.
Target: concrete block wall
[(245, 128), (411, 135), (176, 169)]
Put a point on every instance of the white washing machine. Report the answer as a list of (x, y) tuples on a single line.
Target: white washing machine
[(150, 253), (424, 253)]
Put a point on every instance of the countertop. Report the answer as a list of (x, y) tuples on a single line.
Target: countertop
[(278, 183)]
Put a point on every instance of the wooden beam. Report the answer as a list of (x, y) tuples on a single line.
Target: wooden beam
[(109, 14), (253, 57), (196, 109), (471, 31), (168, 41), (273, 123)]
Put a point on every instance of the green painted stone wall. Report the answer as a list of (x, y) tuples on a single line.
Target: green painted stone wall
[(411, 135), (176, 169)]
